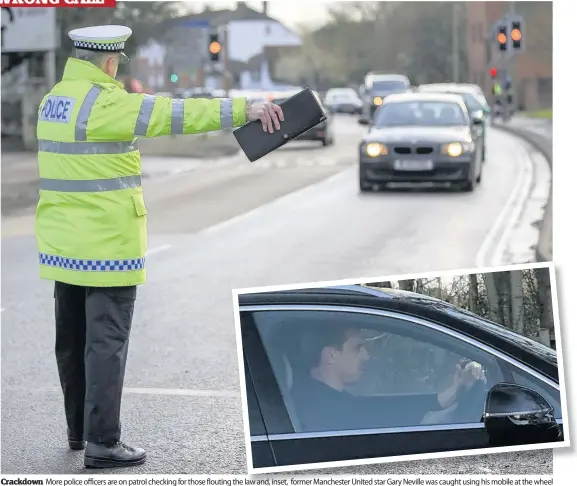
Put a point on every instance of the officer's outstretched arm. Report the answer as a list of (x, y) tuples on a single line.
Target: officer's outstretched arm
[(144, 115)]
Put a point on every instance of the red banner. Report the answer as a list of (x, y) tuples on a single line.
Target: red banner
[(58, 3)]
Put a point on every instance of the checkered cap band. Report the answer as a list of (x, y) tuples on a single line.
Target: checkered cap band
[(95, 46), (92, 265)]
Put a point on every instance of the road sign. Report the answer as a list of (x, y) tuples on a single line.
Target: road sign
[(29, 29)]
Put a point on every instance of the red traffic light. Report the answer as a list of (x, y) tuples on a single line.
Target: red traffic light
[(493, 72)]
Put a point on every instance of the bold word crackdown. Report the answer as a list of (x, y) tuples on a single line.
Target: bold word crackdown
[(58, 3)]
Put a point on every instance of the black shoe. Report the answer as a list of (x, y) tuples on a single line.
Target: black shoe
[(115, 455)]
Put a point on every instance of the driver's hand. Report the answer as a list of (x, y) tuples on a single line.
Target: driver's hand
[(469, 374), (268, 113)]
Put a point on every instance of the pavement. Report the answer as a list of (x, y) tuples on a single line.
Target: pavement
[(295, 216), (540, 126)]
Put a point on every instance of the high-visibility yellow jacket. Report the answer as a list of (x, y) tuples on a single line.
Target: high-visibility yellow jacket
[(91, 217)]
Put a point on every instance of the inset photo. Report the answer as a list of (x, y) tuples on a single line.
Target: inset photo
[(400, 368)]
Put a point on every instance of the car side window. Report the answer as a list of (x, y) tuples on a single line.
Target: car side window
[(551, 394), (353, 370)]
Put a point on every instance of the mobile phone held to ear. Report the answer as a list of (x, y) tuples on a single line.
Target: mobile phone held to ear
[(301, 111)]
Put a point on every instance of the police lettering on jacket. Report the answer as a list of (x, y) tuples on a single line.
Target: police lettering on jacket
[(57, 109)]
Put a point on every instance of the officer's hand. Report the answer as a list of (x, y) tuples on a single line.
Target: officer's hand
[(268, 113)]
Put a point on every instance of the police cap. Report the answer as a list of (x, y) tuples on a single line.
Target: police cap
[(102, 38)]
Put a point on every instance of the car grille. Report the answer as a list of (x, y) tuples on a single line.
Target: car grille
[(421, 150)]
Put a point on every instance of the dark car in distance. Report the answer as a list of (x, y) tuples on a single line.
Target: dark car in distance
[(422, 138), (411, 348), (376, 89)]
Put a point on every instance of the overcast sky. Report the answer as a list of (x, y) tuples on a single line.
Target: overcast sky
[(286, 11)]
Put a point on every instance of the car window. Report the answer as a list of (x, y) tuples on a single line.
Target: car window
[(471, 101), (420, 113), (350, 370), (345, 94), (388, 85)]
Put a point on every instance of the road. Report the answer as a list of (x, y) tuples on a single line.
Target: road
[(223, 224)]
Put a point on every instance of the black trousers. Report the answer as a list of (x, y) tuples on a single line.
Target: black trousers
[(92, 333)]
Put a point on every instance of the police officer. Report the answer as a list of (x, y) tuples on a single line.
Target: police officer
[(91, 223)]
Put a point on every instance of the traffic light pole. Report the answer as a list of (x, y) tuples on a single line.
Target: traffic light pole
[(226, 75)]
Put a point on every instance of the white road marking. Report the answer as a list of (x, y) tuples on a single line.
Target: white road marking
[(484, 250), (171, 392), (516, 212), (158, 249)]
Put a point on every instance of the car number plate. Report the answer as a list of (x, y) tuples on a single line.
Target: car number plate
[(413, 165)]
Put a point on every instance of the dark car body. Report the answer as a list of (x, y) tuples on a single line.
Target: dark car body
[(415, 153), (376, 89), (276, 437), (323, 132)]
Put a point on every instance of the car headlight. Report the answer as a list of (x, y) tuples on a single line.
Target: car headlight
[(377, 100), (457, 149), (376, 149)]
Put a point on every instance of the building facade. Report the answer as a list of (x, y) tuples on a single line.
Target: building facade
[(532, 70), (248, 33)]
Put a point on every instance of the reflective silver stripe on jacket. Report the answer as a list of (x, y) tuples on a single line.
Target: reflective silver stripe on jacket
[(84, 113), (87, 148), (96, 185), (177, 121), (143, 119), (226, 113)]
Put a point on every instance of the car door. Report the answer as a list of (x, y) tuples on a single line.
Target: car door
[(262, 455), (398, 408)]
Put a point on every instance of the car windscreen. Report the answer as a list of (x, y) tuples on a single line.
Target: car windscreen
[(471, 101), (388, 85), (420, 113), (342, 95)]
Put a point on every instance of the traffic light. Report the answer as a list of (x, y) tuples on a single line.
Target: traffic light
[(174, 78), (214, 47), (493, 72), (502, 38), (496, 89), (516, 34)]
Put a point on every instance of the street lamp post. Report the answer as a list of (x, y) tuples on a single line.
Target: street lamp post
[(455, 9)]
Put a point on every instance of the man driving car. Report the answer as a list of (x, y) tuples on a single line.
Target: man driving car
[(335, 359)]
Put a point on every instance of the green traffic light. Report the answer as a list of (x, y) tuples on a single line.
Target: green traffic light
[(174, 78)]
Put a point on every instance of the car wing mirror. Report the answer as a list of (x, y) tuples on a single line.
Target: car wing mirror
[(477, 118), (516, 415)]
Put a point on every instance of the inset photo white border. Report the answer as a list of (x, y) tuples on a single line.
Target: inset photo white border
[(399, 458)]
